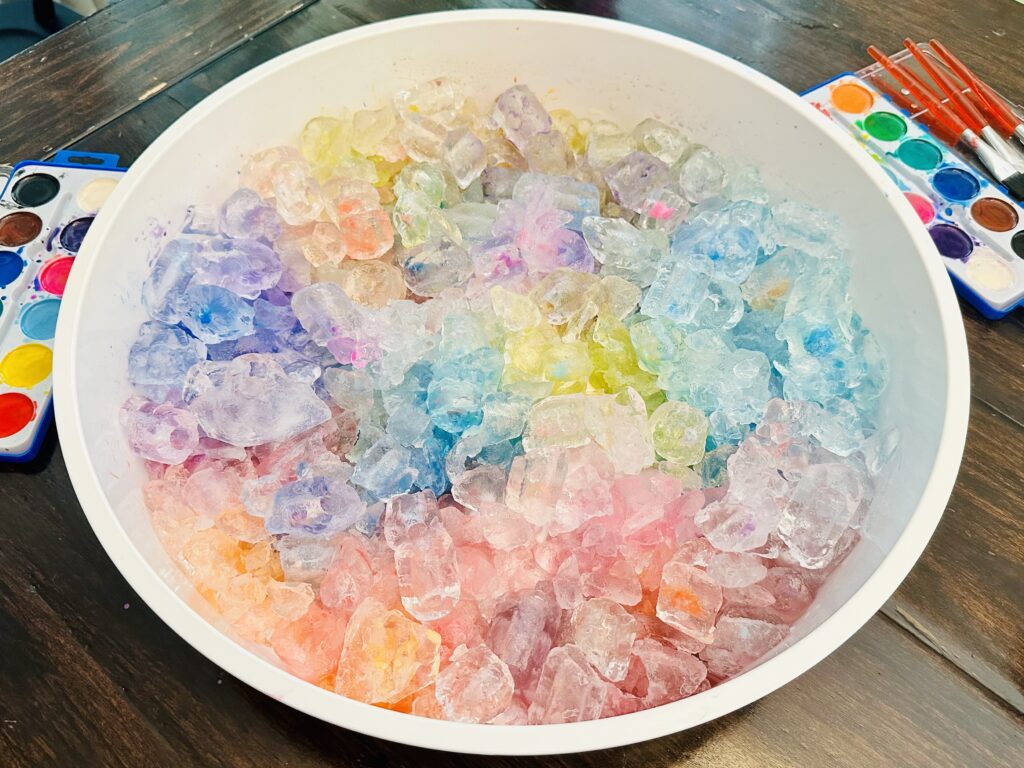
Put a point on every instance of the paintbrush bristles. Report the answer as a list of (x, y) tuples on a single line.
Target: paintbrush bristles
[(996, 160), (964, 106)]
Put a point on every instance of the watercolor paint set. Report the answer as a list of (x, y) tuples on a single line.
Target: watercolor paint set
[(46, 209), (977, 225)]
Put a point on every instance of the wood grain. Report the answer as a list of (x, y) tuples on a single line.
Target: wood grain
[(964, 597), (1000, 346), (98, 69), (135, 130), (90, 673), (935, 680), (997, 362)]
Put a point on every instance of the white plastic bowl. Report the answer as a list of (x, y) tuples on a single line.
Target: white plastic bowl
[(595, 67)]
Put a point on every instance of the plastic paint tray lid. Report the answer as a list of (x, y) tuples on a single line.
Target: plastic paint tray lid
[(899, 287)]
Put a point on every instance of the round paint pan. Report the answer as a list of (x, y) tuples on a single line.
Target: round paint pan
[(19, 228), (11, 265), (38, 320), (986, 270), (922, 206), (16, 412), (1017, 243), (885, 126), (26, 366), (919, 154), (93, 195), (35, 189), (994, 214), (952, 242), (54, 275), (851, 98), (956, 184), (73, 234)]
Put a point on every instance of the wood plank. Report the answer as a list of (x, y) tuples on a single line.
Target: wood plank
[(875, 702), (135, 130), (801, 44), (882, 699), (129, 135), (89, 670), (71, 83), (965, 596), (113, 686), (47, 673), (997, 355), (996, 350)]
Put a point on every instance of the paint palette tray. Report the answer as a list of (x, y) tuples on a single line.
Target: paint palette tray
[(976, 226), (874, 74), (46, 209)]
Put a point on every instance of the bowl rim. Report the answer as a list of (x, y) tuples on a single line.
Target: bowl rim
[(506, 739)]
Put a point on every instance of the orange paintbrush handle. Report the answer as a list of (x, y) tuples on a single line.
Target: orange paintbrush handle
[(904, 102), (919, 91), (960, 103), (998, 110)]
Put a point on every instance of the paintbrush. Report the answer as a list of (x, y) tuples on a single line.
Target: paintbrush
[(997, 109), (948, 134), (912, 108), (963, 106), (1001, 169)]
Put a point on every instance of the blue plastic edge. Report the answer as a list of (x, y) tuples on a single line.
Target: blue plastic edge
[(103, 160), (61, 159), (986, 309), (994, 183)]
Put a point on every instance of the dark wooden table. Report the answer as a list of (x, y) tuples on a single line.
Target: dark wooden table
[(89, 676)]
